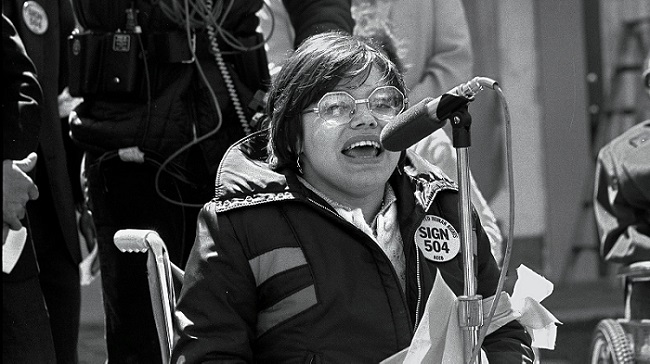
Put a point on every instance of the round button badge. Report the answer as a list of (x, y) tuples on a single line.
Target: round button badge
[(437, 239), (35, 17)]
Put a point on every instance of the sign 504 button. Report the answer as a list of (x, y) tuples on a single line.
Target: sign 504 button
[(437, 239)]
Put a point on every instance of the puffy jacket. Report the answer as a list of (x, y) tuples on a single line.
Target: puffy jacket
[(277, 276), (177, 107)]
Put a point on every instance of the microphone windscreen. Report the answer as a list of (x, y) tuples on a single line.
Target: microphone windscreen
[(409, 127)]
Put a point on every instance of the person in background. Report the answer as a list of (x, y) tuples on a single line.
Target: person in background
[(44, 27), (431, 43), (175, 91), (622, 204), (26, 334), (320, 245)]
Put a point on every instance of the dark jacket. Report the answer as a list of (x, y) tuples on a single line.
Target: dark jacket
[(21, 121), (622, 196), (277, 276), (177, 107)]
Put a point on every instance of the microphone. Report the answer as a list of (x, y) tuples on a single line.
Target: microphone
[(429, 115)]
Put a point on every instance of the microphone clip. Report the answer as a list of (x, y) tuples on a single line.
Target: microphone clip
[(460, 121)]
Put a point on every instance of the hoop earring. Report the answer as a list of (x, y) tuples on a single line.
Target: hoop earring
[(298, 164)]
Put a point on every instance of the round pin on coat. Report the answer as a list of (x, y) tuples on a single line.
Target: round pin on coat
[(35, 17), (437, 239)]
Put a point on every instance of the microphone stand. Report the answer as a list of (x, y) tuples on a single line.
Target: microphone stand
[(470, 308)]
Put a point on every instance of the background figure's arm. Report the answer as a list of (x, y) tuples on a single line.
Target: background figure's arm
[(278, 32), (488, 221), (450, 61)]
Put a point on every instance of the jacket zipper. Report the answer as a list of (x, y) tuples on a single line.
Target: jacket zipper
[(417, 278)]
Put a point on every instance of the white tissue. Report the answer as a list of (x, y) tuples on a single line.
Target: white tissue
[(12, 247)]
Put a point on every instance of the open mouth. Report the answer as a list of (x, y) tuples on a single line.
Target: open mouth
[(363, 149)]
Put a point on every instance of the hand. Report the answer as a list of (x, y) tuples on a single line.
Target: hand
[(67, 103), (17, 189)]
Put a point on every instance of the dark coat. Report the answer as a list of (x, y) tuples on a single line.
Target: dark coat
[(277, 276), (21, 119), (47, 52)]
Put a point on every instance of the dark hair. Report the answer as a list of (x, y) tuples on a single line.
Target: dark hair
[(319, 64)]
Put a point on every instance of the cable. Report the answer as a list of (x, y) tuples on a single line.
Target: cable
[(226, 75), (511, 227), (196, 140)]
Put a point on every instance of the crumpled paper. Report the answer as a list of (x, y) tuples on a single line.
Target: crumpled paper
[(524, 306), (439, 338)]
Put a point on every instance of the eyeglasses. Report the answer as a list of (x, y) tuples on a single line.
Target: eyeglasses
[(384, 103)]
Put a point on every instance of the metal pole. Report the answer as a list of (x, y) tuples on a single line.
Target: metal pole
[(470, 309)]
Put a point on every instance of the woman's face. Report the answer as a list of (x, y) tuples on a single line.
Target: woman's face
[(346, 160)]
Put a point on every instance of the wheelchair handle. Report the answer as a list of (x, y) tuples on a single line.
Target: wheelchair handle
[(135, 240)]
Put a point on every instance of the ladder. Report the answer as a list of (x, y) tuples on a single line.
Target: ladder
[(626, 86)]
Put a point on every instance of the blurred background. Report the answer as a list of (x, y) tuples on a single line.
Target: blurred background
[(571, 74)]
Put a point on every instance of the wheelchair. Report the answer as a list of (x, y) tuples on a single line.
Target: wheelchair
[(624, 340)]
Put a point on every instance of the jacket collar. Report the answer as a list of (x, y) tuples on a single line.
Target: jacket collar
[(427, 179), (244, 178)]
